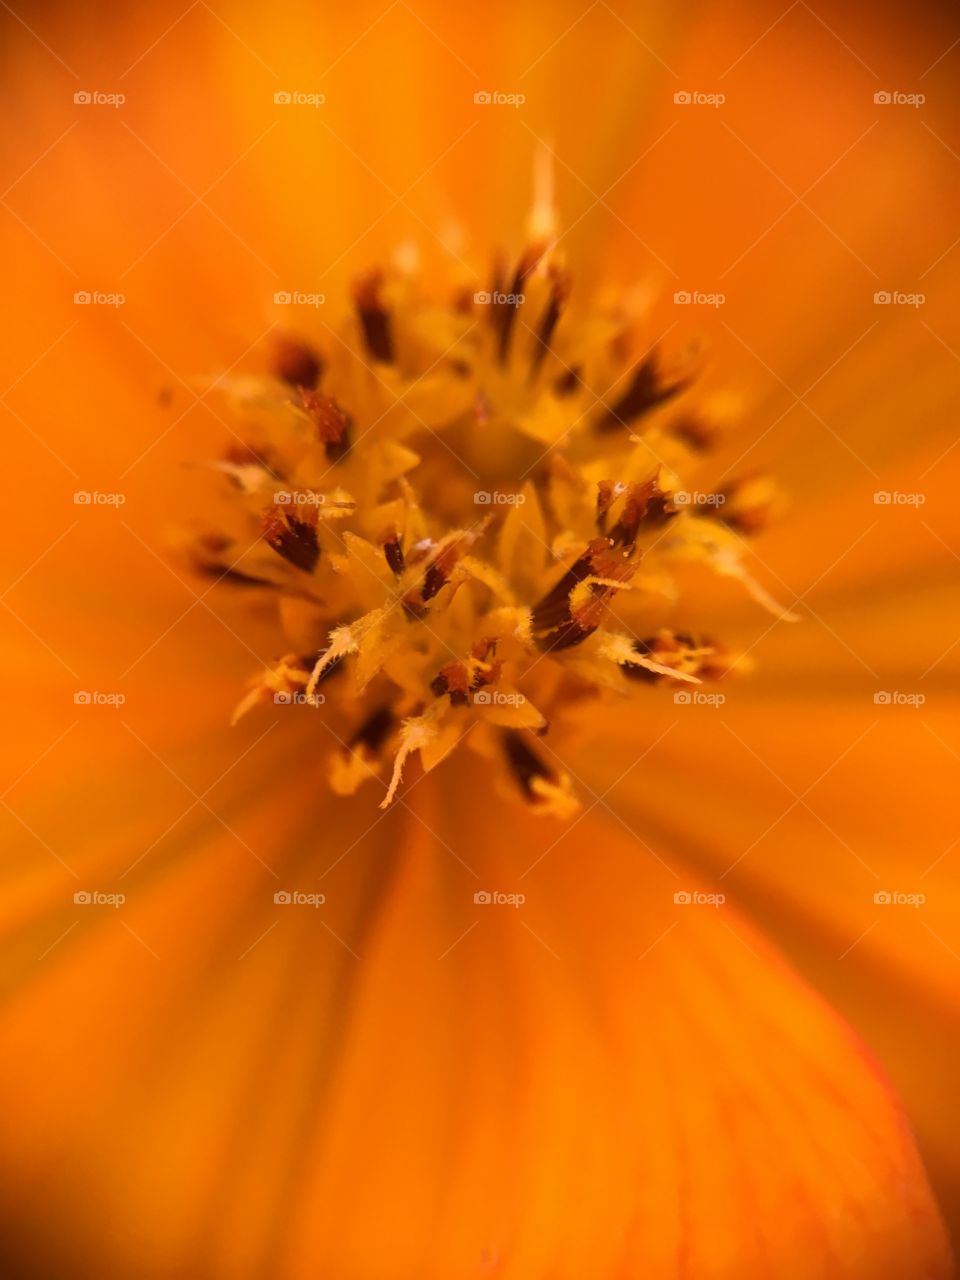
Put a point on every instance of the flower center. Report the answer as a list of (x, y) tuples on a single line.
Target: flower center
[(469, 515)]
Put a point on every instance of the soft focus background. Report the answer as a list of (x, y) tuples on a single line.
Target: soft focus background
[(799, 198)]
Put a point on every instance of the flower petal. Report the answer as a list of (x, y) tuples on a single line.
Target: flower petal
[(595, 1081)]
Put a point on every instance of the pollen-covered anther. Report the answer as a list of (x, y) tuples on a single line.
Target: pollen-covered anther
[(331, 424), (460, 679), (292, 533), (393, 552), (645, 506), (442, 560), (576, 605)]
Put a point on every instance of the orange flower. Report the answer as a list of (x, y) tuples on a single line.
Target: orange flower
[(615, 983)]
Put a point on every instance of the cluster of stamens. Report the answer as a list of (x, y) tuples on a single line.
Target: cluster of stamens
[(465, 513)]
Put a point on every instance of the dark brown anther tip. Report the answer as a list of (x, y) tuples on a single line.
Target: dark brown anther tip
[(331, 424), (525, 763), (296, 363), (393, 553), (645, 391), (293, 539), (375, 319)]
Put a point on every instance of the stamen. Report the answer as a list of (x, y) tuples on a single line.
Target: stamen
[(443, 561), (540, 783), (415, 734), (331, 425), (558, 296), (343, 641), (558, 622), (393, 553), (373, 732), (645, 506), (505, 313), (292, 537), (651, 659), (374, 317), (645, 392), (297, 364), (748, 504), (210, 556)]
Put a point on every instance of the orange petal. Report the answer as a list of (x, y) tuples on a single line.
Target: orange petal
[(596, 1081)]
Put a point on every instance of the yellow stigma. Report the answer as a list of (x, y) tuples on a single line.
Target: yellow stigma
[(471, 515)]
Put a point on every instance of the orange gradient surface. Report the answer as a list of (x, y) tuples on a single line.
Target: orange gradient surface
[(606, 1081)]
